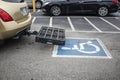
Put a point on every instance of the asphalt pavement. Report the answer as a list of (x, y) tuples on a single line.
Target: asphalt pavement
[(24, 59)]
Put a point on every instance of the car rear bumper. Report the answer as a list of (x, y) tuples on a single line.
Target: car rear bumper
[(10, 29)]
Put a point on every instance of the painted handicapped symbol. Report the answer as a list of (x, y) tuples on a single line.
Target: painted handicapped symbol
[(81, 48)]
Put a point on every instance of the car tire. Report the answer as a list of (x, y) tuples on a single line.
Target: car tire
[(38, 4), (103, 11), (55, 10)]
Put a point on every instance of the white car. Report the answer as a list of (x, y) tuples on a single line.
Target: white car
[(14, 18)]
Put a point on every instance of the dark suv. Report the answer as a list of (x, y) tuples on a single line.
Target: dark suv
[(100, 7)]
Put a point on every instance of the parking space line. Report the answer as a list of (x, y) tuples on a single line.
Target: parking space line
[(84, 31), (92, 24), (43, 17), (34, 18), (71, 25), (51, 21), (110, 23), (117, 18), (107, 32)]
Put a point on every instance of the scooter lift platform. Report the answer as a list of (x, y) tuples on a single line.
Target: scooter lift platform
[(50, 35)]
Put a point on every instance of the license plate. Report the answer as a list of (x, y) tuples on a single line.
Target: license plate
[(24, 11)]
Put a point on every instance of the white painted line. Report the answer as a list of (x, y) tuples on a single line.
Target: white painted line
[(116, 17), (71, 25), (34, 18), (43, 17), (92, 24), (110, 23), (72, 56), (51, 21), (112, 32), (55, 51), (84, 31), (104, 48)]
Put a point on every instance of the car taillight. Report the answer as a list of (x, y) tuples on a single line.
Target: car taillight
[(5, 16), (115, 2)]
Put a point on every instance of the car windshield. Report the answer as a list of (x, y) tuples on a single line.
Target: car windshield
[(14, 1)]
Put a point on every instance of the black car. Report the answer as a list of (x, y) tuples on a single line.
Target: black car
[(100, 7)]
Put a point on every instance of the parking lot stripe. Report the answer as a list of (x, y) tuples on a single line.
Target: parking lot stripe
[(71, 25), (107, 32), (63, 23), (110, 23), (34, 18), (81, 24), (51, 21), (117, 18), (92, 24)]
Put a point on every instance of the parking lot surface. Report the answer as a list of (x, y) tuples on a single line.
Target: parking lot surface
[(24, 59)]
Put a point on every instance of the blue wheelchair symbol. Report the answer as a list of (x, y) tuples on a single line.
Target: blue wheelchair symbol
[(82, 48)]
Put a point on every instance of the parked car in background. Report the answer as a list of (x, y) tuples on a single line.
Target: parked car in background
[(100, 7), (39, 3), (14, 18)]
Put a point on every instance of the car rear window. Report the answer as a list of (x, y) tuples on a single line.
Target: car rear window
[(14, 1)]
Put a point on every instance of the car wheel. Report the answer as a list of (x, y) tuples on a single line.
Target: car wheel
[(38, 4), (103, 11), (55, 10)]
